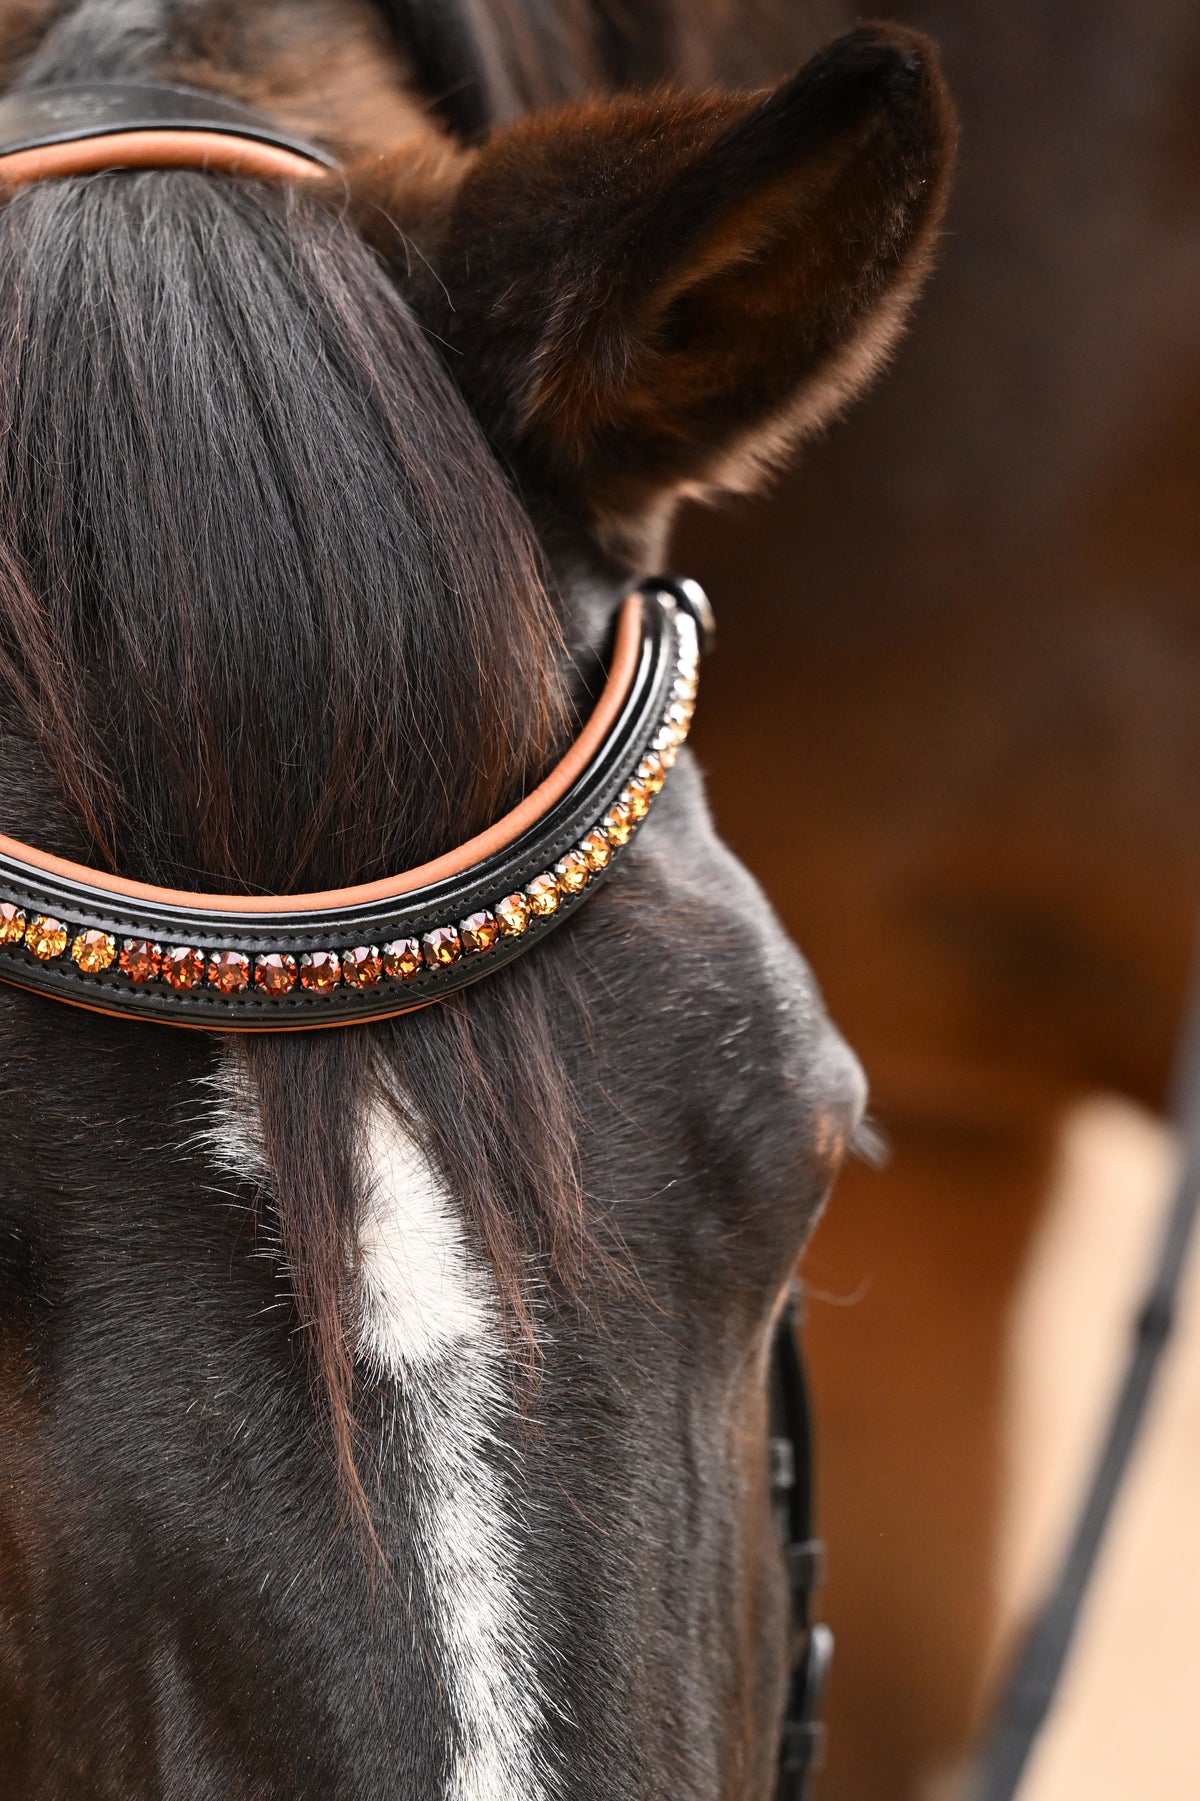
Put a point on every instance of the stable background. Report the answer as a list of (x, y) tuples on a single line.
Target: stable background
[(954, 727)]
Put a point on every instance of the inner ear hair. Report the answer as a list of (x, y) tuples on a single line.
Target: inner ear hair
[(765, 283), (660, 293), (805, 233)]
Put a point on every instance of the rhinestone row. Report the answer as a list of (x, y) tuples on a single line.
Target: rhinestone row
[(276, 973)]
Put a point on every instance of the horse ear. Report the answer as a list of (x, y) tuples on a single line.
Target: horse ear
[(660, 294)]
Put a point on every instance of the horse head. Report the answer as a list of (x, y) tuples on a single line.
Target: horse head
[(386, 1407)]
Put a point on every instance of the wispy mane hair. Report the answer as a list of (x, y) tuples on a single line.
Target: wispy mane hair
[(271, 619)]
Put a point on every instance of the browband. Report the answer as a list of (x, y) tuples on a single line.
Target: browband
[(238, 963), (85, 127), (271, 963)]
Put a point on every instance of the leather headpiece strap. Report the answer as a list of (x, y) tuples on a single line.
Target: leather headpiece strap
[(90, 126)]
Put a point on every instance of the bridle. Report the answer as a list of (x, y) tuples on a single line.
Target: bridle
[(236, 963)]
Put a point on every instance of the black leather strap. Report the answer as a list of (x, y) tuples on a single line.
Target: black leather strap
[(792, 1474), (81, 907), (32, 118)]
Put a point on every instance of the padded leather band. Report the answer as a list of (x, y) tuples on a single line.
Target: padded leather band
[(88, 126), (34, 117), (203, 150), (637, 726)]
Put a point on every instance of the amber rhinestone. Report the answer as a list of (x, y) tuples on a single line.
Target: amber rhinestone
[(140, 960), (402, 959), (479, 932), (596, 850), (275, 973), (512, 915), (45, 937), (320, 971), (542, 893), (573, 873), (183, 967), (442, 947), (229, 971), (651, 774), (12, 923), (94, 952), (618, 824), (636, 800), (362, 966)]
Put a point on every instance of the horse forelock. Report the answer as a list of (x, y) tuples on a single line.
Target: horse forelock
[(271, 619), (270, 607)]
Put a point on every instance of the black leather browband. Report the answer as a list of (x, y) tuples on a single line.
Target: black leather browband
[(208, 966), (32, 118)]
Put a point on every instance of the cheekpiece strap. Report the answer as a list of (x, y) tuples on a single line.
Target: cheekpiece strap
[(263, 963), (792, 1485)]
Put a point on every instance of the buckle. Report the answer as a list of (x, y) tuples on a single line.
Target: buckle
[(783, 1465)]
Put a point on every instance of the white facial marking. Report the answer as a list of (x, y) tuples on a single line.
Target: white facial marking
[(430, 1322), (229, 1130), (420, 1293)]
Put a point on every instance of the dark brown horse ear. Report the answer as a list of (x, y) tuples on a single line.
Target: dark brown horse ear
[(662, 293)]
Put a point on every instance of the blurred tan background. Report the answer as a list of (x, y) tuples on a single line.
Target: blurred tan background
[(954, 726), (1125, 1724)]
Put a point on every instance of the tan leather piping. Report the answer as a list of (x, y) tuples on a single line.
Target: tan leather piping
[(505, 831), (159, 149), (232, 1024)]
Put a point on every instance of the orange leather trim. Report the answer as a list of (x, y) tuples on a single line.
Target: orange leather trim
[(160, 149), (222, 1025), (505, 831)]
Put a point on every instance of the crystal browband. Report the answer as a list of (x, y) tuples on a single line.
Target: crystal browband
[(232, 963)]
